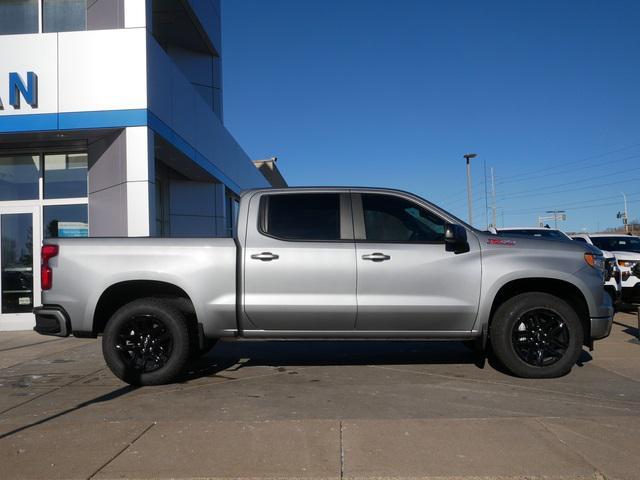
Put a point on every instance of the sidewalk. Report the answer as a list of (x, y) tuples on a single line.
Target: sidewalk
[(318, 410)]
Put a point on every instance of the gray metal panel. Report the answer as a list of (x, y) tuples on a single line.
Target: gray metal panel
[(105, 14), (108, 212), (107, 161)]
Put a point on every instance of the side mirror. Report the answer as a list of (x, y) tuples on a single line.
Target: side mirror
[(455, 238)]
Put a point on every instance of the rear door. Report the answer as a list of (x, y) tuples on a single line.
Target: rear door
[(407, 280), (300, 264)]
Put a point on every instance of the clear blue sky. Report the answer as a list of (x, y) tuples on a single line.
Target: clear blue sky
[(393, 93)]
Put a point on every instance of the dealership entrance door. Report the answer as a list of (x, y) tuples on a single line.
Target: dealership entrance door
[(20, 266)]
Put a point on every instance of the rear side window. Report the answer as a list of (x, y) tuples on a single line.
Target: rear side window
[(579, 239), (303, 216), (393, 219)]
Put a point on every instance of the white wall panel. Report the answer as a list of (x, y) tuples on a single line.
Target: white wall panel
[(135, 13), (140, 164), (30, 53), (139, 209), (102, 70)]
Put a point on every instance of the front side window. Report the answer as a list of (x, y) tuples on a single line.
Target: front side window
[(18, 16), (64, 15), (305, 216), (388, 218)]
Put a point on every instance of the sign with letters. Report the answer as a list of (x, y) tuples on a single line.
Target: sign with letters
[(23, 90)]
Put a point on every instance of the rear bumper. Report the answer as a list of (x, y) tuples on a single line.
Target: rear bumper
[(52, 320)]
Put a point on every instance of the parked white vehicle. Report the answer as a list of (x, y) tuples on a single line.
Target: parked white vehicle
[(626, 249)]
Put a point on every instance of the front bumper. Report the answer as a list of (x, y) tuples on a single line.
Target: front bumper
[(52, 320), (631, 294), (601, 327)]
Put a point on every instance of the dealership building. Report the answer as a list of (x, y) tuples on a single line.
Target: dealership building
[(111, 124)]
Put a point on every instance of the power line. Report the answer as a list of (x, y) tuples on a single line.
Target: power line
[(573, 162)]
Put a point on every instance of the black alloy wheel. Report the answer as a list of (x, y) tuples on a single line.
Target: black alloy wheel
[(540, 337), (536, 335), (147, 342), (144, 343)]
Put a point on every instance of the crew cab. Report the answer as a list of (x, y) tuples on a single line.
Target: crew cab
[(326, 263)]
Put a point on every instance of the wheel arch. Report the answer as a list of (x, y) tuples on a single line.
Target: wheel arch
[(123, 292), (553, 286)]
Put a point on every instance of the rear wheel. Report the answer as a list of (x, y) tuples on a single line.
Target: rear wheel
[(536, 335), (146, 342)]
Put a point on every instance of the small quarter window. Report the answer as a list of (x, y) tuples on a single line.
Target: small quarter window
[(305, 216), (388, 218)]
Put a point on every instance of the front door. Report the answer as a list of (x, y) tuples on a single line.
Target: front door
[(19, 266), (407, 280), (299, 265)]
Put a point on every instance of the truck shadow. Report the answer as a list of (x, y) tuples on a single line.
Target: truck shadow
[(232, 356)]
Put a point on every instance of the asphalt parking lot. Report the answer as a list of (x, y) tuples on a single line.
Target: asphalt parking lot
[(319, 410)]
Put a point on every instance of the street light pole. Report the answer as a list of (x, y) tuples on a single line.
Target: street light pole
[(626, 214), (469, 156)]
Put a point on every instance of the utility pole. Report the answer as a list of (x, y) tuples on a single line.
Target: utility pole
[(486, 201), (469, 156), (626, 214), (493, 199)]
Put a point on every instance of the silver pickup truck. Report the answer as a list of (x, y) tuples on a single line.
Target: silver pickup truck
[(327, 263)]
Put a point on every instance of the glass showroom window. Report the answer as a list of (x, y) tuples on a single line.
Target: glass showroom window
[(19, 177), (65, 221), (18, 16), (65, 175), (64, 15)]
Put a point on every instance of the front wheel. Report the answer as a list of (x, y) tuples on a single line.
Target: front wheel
[(536, 335), (146, 342)]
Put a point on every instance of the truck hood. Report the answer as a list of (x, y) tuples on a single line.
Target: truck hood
[(490, 241), (627, 255)]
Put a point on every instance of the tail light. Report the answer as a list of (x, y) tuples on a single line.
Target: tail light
[(46, 273)]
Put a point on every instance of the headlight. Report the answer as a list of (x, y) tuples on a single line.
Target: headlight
[(595, 261), (627, 263)]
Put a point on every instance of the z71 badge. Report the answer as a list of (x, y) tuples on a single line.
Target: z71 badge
[(501, 241)]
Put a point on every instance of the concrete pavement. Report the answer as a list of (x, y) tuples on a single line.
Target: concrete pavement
[(319, 410)]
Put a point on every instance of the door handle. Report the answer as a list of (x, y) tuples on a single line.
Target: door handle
[(376, 257), (265, 256)]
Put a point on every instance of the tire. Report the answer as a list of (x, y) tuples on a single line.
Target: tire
[(146, 342), (531, 323)]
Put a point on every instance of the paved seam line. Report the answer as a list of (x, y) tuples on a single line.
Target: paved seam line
[(341, 453), (502, 384), (26, 346), (227, 382), (43, 356), (618, 373), (55, 389), (121, 451), (567, 446)]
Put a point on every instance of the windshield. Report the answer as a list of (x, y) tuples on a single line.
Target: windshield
[(524, 232), (619, 244)]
